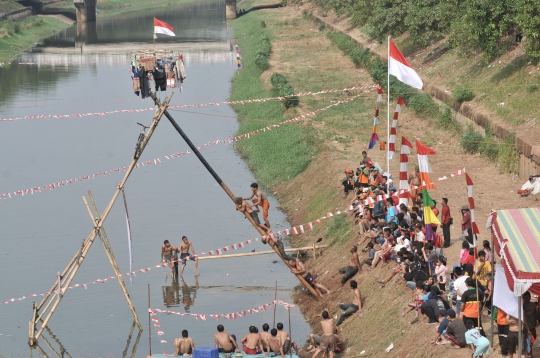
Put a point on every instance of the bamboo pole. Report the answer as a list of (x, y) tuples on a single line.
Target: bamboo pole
[(254, 253), (124, 353), (110, 255), (149, 324), (136, 344), (228, 191), (75, 263)]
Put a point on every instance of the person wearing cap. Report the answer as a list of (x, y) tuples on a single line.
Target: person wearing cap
[(455, 331), (466, 227), (471, 305), (363, 178), (414, 181), (446, 222), (376, 176), (348, 181)]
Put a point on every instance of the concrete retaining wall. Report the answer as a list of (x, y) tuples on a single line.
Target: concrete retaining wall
[(20, 14)]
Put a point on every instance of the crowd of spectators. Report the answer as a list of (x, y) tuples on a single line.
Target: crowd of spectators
[(455, 294)]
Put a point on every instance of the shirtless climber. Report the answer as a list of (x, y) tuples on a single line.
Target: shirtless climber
[(415, 181), (245, 208), (261, 201)]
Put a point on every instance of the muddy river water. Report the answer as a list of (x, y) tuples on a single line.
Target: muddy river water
[(40, 233)]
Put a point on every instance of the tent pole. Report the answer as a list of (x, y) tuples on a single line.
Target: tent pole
[(492, 285), (388, 120), (520, 328)]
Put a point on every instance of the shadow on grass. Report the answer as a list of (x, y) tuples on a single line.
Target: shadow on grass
[(508, 70)]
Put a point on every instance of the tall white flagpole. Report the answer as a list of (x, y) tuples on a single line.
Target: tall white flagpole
[(388, 122)]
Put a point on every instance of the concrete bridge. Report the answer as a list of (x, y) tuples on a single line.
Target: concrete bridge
[(86, 10)]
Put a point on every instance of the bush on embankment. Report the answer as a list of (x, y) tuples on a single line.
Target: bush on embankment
[(282, 88), (279, 154), (262, 59)]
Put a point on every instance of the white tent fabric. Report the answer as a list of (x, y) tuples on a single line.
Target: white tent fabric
[(503, 297)]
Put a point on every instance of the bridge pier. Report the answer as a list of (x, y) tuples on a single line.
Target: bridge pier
[(230, 9), (86, 10)]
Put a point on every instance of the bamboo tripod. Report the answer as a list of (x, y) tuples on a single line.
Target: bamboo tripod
[(52, 299), (227, 190)]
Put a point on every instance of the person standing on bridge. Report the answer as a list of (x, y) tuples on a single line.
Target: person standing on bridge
[(261, 201)]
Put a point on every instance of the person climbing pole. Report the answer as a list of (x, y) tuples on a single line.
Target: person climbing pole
[(261, 200), (245, 208)]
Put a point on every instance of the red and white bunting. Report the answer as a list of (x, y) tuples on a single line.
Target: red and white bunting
[(294, 230), (198, 105), (393, 129), (156, 161)]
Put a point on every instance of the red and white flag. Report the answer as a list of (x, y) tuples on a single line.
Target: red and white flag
[(161, 27), (423, 164), (401, 68)]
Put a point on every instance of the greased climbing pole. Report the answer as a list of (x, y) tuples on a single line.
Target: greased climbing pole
[(225, 188), (43, 312)]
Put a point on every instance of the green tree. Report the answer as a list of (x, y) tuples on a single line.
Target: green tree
[(428, 20), (387, 18), (528, 22), (485, 24)]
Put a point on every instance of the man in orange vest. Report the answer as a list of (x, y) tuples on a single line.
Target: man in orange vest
[(502, 326)]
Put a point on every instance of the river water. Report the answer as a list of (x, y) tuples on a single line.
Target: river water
[(41, 232)]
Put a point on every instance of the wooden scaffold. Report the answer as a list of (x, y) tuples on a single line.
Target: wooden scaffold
[(43, 312)]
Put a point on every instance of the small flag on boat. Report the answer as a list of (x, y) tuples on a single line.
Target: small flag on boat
[(161, 27)]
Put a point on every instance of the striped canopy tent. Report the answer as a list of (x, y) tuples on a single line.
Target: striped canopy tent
[(516, 234)]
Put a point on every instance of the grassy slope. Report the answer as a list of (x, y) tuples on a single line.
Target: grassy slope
[(32, 30), (8, 6), (277, 155), (282, 154)]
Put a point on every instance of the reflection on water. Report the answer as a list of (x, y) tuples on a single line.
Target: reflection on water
[(179, 293)]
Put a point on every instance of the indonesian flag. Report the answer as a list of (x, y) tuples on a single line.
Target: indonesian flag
[(401, 68), (161, 27), (423, 164)]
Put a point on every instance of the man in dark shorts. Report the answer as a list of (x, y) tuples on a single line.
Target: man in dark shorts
[(352, 268), (225, 342), (279, 244), (297, 267), (167, 251), (184, 249), (285, 339)]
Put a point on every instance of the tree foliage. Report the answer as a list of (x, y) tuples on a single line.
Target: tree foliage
[(486, 25)]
